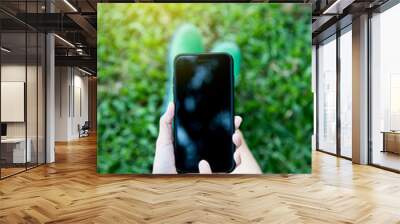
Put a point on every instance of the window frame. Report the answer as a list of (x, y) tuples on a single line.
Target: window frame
[(339, 32)]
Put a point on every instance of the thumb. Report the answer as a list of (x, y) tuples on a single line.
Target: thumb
[(204, 167)]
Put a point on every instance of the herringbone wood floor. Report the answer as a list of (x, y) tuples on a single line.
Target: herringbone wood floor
[(70, 191)]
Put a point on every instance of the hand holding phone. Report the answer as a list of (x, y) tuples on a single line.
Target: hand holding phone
[(164, 159), (197, 132)]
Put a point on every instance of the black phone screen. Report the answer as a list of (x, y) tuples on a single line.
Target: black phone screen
[(203, 121)]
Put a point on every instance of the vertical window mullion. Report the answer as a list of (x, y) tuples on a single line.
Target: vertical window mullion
[(317, 95), (0, 91), (26, 85), (37, 90)]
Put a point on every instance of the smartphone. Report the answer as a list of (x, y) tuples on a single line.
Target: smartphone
[(204, 109)]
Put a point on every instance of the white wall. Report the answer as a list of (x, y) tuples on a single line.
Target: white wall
[(16, 72), (12, 73), (80, 100), (33, 126), (71, 93), (62, 81), (13, 101)]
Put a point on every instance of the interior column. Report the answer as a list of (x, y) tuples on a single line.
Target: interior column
[(360, 90)]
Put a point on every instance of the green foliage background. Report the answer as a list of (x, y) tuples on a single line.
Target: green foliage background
[(273, 94)]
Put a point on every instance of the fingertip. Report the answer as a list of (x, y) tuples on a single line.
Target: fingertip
[(238, 121), (204, 167)]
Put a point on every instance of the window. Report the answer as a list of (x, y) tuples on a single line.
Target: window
[(22, 80), (346, 92), (385, 89), (327, 95)]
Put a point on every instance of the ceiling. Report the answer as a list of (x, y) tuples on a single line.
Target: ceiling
[(75, 23), (331, 15)]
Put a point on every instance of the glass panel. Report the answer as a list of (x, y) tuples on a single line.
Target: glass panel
[(41, 99), (385, 86), (327, 96), (31, 97), (23, 90), (13, 86), (31, 86), (345, 94)]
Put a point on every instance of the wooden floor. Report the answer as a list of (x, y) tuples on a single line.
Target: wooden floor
[(70, 191), (387, 159), (10, 171)]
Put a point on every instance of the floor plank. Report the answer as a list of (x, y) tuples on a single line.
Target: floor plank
[(70, 191)]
